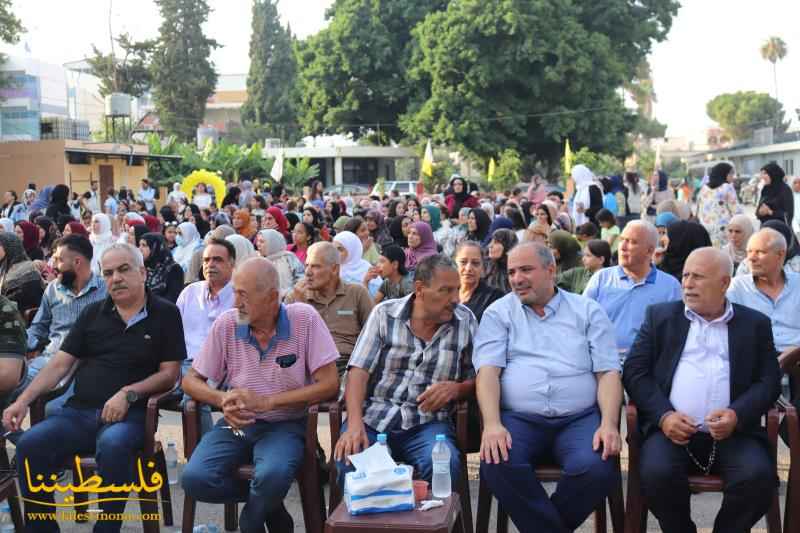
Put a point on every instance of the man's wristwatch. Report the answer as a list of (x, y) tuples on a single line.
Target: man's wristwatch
[(131, 396)]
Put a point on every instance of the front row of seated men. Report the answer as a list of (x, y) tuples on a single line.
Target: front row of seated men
[(548, 384)]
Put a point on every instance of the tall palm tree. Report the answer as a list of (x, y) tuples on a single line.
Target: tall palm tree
[(773, 50)]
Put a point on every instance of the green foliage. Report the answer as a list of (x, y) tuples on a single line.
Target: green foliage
[(183, 76), (649, 128), (353, 73), (129, 74), (507, 172), (297, 174), (742, 112), (527, 75), (602, 164), (272, 81), (10, 30), (231, 161), (774, 49)]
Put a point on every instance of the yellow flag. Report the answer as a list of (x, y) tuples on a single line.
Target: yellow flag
[(567, 160), (490, 175), (427, 161)]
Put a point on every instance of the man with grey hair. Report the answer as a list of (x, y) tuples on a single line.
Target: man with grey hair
[(548, 381), (770, 288), (702, 373), (127, 347), (343, 306), (277, 359), (624, 291), (412, 361)]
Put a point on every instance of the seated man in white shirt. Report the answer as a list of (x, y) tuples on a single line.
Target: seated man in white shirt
[(703, 372)]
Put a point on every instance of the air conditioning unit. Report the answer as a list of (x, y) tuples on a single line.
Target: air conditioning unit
[(118, 105)]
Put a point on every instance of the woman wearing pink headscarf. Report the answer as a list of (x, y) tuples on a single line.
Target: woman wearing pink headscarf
[(421, 244)]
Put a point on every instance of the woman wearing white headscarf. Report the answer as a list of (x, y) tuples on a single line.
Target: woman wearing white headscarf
[(244, 248), (188, 241), (101, 238), (7, 225), (272, 245), (587, 201), (353, 267)]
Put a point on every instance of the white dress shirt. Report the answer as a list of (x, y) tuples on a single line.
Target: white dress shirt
[(702, 381)]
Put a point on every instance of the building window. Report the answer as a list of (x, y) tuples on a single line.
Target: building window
[(788, 167), (363, 171)]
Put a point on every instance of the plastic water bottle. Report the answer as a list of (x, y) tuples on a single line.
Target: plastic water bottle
[(382, 442), (442, 484), (171, 456)]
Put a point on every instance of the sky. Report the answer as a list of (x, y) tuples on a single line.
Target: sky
[(712, 48)]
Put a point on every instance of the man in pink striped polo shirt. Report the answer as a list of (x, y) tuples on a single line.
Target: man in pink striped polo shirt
[(275, 360)]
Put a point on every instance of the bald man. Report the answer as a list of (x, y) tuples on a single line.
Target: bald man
[(276, 360), (702, 373)]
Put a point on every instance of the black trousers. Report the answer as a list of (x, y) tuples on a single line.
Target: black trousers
[(742, 461)]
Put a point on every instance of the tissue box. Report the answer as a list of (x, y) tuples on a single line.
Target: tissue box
[(382, 491)]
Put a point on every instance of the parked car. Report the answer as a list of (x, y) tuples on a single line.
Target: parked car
[(402, 187), (348, 189)]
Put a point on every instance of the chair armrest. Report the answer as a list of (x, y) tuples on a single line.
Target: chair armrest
[(773, 423), (632, 420), (191, 426), (37, 407), (462, 425), (154, 404)]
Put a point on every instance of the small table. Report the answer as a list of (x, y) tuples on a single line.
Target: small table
[(444, 519)]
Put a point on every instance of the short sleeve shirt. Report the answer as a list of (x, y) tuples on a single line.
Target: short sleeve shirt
[(114, 353), (301, 345)]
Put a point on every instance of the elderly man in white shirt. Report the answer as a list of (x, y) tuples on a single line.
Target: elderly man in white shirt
[(702, 372)]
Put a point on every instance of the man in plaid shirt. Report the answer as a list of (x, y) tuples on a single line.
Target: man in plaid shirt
[(410, 364)]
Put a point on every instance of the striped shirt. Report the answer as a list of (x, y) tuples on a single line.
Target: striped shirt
[(402, 366), (58, 310), (301, 345)]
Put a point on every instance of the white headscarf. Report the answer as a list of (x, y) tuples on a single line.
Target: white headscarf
[(191, 241), (275, 242), (7, 224), (583, 178), (244, 248), (354, 267), (489, 209), (100, 241)]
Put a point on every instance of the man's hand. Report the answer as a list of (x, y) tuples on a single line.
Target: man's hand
[(721, 423), (115, 409), (239, 407), (679, 427), (351, 442), (609, 438), (437, 396), (14, 415), (495, 443), (245, 400)]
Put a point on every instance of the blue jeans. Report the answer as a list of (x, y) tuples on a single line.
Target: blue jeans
[(567, 440), (48, 445), (276, 450), (413, 447), (205, 410)]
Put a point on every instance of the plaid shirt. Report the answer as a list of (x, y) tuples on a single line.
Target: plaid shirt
[(402, 366)]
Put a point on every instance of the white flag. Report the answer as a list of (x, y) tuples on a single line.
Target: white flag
[(277, 168)]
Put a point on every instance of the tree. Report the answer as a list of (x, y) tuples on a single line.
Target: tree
[(130, 74), (527, 75), (599, 163), (353, 73), (272, 81), (507, 173), (774, 50), (10, 29), (742, 112), (183, 76), (297, 174)]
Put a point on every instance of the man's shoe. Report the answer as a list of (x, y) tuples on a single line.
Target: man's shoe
[(279, 521)]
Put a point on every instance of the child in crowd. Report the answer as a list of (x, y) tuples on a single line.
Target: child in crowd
[(586, 232), (391, 267), (609, 231)]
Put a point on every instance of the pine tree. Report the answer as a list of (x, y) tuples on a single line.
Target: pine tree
[(271, 82), (183, 75)]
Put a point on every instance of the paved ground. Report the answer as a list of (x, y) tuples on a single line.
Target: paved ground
[(704, 506)]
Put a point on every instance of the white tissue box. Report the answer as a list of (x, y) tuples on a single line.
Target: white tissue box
[(382, 491)]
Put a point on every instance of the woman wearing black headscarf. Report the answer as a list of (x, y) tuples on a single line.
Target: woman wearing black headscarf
[(164, 275), (20, 281), (47, 235), (59, 199), (202, 225), (684, 238), (232, 197), (777, 200), (717, 204), (398, 230), (478, 225), (501, 242), (457, 196)]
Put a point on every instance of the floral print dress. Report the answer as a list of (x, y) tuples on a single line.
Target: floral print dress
[(715, 208)]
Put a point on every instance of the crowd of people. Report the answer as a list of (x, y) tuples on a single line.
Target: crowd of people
[(261, 303)]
